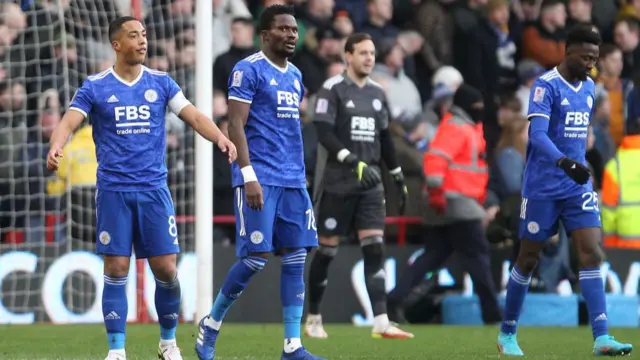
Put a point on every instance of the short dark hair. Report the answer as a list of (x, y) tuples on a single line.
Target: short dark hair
[(607, 49), (583, 33), (354, 40), (116, 26), (269, 14)]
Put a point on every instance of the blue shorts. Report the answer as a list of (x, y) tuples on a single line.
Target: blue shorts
[(539, 218), (143, 219), (285, 221)]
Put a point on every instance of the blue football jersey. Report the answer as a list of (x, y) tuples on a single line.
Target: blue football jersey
[(273, 129), (128, 121), (568, 107)]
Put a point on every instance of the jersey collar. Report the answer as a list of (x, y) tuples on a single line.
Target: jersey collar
[(283, 70), (135, 81), (574, 88)]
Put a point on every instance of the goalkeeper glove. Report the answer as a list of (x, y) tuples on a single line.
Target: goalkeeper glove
[(403, 192), (368, 177), (575, 170)]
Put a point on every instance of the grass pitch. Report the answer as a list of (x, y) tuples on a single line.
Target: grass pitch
[(264, 341)]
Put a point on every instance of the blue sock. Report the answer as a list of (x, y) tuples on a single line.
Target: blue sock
[(292, 292), (517, 288), (167, 300), (237, 279), (114, 310), (592, 288)]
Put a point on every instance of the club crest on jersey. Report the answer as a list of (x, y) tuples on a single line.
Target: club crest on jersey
[(105, 238), (538, 94), (296, 84), (151, 95), (237, 78), (377, 105), (589, 102), (256, 237)]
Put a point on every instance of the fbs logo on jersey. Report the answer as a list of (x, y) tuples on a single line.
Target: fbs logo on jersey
[(363, 129), (130, 113), (576, 118)]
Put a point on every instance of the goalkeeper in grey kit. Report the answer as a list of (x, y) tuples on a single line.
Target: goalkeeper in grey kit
[(352, 118)]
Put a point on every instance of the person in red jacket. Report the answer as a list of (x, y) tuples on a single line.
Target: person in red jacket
[(457, 177)]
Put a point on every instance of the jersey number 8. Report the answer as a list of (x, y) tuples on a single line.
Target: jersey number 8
[(173, 227)]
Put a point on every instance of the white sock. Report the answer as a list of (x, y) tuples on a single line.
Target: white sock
[(292, 344), (381, 322), (165, 343), (119, 352), (215, 325)]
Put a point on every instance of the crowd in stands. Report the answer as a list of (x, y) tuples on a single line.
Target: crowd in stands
[(425, 50)]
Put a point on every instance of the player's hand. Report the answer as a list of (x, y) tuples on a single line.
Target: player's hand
[(403, 192), (52, 158), (225, 145), (253, 192), (368, 177), (575, 170)]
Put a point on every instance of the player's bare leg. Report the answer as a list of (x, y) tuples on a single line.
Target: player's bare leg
[(517, 288), (114, 304), (318, 279), (587, 242), (167, 302), (237, 279), (371, 243)]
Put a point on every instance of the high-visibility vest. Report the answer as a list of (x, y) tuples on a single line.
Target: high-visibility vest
[(455, 160), (620, 208)]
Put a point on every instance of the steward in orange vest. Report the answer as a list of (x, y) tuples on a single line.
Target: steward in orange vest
[(455, 165)]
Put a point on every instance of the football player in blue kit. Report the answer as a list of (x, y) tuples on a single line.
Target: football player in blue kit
[(557, 187), (273, 209), (127, 104)]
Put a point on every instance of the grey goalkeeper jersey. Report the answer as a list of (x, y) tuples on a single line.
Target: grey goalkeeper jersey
[(357, 115)]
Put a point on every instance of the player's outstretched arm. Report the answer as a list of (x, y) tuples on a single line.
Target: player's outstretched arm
[(208, 130), (69, 123), (238, 115)]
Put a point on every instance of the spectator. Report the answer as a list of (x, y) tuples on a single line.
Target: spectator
[(610, 68), (603, 142), (579, 12), (242, 33), (528, 72), (544, 41), (448, 76), (316, 14), (498, 21), (224, 11), (627, 36), (313, 63), (156, 58), (433, 21), (527, 11), (402, 94), (78, 168), (342, 23), (378, 24)]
